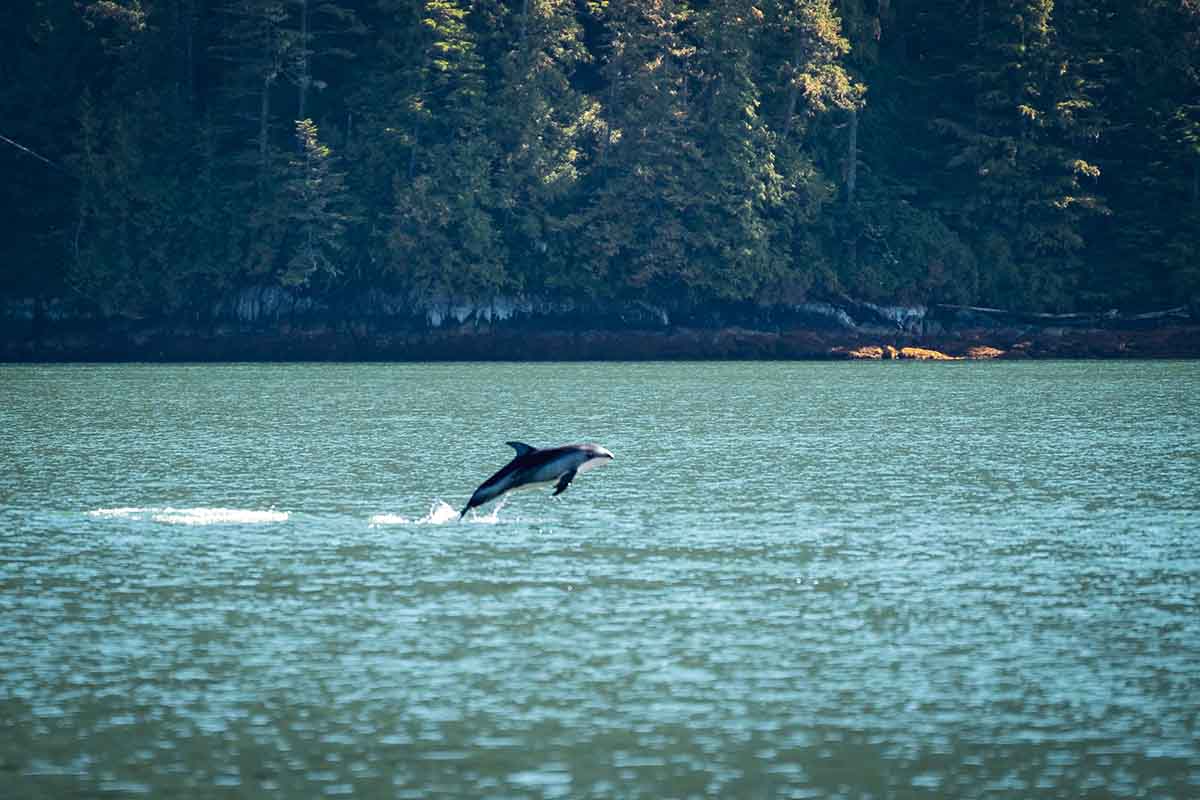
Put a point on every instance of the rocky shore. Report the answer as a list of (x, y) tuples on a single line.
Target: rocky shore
[(268, 324)]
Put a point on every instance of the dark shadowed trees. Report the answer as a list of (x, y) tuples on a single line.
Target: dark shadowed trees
[(1042, 154)]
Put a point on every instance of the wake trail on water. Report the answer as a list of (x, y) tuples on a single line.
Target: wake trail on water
[(169, 515), (440, 513)]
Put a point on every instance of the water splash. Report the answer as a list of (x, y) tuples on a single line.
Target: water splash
[(193, 516), (440, 513), (494, 516)]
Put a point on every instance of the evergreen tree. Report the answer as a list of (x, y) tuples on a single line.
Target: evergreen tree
[(324, 31), (1029, 183), (148, 237), (890, 232), (443, 237), (316, 215), (384, 108), (644, 149), (48, 52), (255, 44), (741, 188), (1144, 253), (638, 231), (540, 124), (808, 88)]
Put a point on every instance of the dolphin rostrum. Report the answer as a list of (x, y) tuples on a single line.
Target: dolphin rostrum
[(533, 467)]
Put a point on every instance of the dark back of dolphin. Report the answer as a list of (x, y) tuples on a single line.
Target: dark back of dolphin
[(525, 459), (535, 466)]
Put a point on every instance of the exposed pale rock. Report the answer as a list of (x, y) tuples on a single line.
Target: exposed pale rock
[(866, 352), (984, 352), (923, 354)]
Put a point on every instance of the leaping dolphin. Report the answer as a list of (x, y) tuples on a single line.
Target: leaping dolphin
[(532, 467)]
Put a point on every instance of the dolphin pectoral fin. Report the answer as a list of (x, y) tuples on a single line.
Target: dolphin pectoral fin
[(521, 448), (563, 483)]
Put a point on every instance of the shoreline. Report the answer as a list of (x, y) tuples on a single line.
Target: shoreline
[(271, 324), (358, 341)]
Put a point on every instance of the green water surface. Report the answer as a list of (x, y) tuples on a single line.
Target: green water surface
[(883, 580)]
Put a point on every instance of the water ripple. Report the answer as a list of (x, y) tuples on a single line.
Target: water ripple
[(795, 580)]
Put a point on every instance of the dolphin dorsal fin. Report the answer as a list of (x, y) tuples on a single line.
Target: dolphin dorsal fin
[(521, 448)]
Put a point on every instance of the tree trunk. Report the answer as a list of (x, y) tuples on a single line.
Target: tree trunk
[(303, 79), (412, 154), (852, 158), (612, 108), (851, 185), (794, 91), (978, 46), (524, 23), (189, 31), (264, 114), (1196, 183)]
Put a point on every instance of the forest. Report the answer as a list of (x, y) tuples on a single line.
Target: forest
[(1033, 154)]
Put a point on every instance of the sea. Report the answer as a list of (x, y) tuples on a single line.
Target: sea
[(794, 580)]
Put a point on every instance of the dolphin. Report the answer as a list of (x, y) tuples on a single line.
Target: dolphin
[(532, 467)]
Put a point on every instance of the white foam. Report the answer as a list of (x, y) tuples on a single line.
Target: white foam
[(440, 513), (389, 519), (128, 513), (194, 516), (493, 516)]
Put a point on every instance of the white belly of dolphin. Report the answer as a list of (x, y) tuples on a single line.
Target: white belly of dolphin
[(534, 485), (591, 462)]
